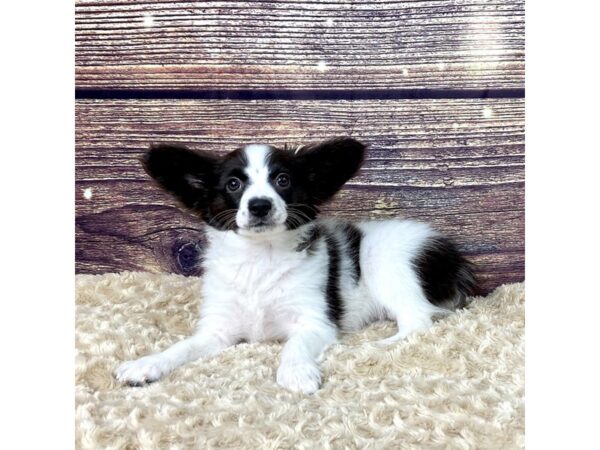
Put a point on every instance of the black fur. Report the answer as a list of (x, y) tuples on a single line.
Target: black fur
[(184, 173), (309, 240), (300, 207), (353, 238), (328, 165), (230, 165), (335, 307), (197, 179), (446, 276), (317, 172)]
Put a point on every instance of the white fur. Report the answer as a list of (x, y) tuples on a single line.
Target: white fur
[(259, 287)]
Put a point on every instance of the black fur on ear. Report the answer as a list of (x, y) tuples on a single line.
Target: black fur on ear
[(183, 172), (330, 164)]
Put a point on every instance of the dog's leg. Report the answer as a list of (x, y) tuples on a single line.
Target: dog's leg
[(300, 357), (407, 304), (392, 280), (407, 326), (205, 343)]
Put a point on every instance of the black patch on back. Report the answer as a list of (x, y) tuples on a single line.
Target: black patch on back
[(353, 238), (308, 240), (445, 275), (335, 308)]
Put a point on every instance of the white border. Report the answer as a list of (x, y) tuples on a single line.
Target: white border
[(37, 176), (562, 229), (562, 226)]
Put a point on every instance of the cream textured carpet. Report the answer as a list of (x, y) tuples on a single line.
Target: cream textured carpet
[(458, 385)]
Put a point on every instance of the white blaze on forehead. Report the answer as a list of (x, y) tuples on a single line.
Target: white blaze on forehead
[(257, 168)]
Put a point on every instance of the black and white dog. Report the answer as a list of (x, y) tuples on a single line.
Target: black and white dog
[(273, 271)]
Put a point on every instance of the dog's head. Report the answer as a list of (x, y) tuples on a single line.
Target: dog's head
[(256, 189)]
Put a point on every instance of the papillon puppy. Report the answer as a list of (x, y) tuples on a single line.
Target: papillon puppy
[(273, 271)]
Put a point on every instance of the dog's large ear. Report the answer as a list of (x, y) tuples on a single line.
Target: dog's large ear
[(330, 164), (184, 173)]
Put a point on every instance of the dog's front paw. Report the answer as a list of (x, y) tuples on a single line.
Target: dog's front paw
[(140, 371), (299, 377)]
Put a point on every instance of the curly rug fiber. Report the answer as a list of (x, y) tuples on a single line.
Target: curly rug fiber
[(458, 385)]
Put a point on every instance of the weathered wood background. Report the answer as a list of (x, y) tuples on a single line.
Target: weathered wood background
[(402, 76)]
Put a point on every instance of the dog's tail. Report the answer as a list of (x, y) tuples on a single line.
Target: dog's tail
[(447, 277)]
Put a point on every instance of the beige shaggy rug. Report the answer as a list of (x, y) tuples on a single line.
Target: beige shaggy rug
[(458, 385)]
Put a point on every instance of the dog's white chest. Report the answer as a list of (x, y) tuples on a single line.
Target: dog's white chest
[(255, 285)]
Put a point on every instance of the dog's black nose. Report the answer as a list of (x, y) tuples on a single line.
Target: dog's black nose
[(259, 207)]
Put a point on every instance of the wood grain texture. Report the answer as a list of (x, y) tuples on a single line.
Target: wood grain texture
[(456, 163), (310, 44)]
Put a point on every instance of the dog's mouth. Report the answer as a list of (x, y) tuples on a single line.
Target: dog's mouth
[(261, 229), (253, 226), (262, 226)]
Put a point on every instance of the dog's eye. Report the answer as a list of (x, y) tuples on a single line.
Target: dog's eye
[(233, 184), (283, 180)]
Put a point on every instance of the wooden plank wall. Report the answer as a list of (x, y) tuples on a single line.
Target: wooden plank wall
[(435, 88), (300, 44)]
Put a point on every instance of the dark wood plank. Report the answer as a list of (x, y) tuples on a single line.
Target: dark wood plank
[(366, 44), (456, 163)]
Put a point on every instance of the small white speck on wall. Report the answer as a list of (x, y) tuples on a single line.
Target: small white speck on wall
[(441, 66), (148, 20), (455, 126), (87, 193), (329, 22), (405, 72), (487, 112), (322, 66)]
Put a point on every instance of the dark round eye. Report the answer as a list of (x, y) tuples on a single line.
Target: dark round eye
[(282, 180), (233, 184)]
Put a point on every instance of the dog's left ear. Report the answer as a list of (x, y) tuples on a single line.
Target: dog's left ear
[(330, 164)]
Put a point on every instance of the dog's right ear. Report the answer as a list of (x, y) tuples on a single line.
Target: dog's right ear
[(185, 173)]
